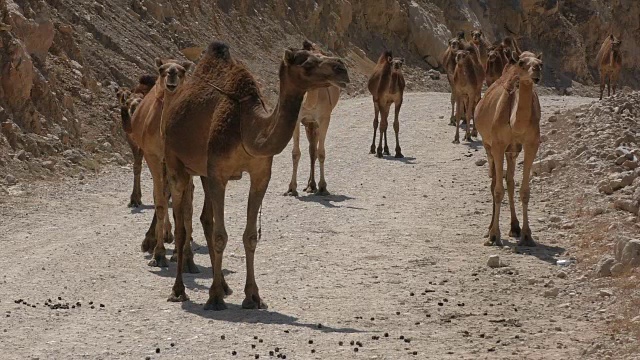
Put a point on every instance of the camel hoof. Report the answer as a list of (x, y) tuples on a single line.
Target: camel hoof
[(452, 121), (254, 302), (386, 151), (373, 149), (494, 240), (215, 305), (148, 244), (227, 290), (178, 298), (189, 266), (310, 189), (515, 230), (159, 261), (526, 241), (174, 257), (291, 192), (322, 192), (379, 153), (134, 203), (456, 141), (399, 155), (474, 133)]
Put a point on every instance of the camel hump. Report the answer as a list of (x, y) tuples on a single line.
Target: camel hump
[(218, 50), (147, 80)]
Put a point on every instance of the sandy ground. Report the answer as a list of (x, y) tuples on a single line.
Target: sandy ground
[(397, 249)]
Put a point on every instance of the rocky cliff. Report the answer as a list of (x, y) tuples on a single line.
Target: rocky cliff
[(60, 61)]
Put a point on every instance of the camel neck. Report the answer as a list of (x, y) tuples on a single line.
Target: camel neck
[(524, 107), (264, 136)]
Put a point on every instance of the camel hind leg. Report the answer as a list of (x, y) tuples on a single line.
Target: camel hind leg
[(324, 127), (467, 116), (602, 82), (295, 155), (456, 138), (376, 109), (511, 170), (530, 151), (189, 266), (614, 81), (312, 135), (497, 151), (136, 193), (609, 85), (491, 166), (396, 129), (384, 123), (181, 183), (161, 211)]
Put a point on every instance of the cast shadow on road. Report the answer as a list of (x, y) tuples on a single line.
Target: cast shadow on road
[(140, 209), (236, 314), (541, 251), (474, 144), (406, 160), (189, 279), (328, 200)]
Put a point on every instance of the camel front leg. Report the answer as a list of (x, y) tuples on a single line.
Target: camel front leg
[(136, 193), (396, 129), (312, 135), (614, 82), (492, 170), (474, 132), (322, 135), (530, 151), (384, 123), (189, 266), (497, 152), (602, 82), (376, 109), (467, 116), (295, 156), (511, 170), (217, 187), (456, 138), (206, 219), (181, 183), (259, 183), (161, 210)]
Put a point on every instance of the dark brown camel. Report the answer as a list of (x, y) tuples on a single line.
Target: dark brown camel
[(609, 61)]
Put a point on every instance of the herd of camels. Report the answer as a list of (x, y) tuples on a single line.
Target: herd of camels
[(214, 124)]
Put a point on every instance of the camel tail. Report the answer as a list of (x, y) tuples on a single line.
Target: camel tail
[(218, 50)]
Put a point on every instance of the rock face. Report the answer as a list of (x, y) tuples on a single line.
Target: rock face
[(61, 60)]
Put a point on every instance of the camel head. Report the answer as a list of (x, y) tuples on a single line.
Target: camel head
[(461, 55), (615, 42), (172, 73), (493, 55), (476, 36), (396, 64), (455, 44), (133, 102), (309, 70), (460, 35), (530, 67), (123, 94)]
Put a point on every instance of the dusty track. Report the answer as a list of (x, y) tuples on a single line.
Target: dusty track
[(350, 262)]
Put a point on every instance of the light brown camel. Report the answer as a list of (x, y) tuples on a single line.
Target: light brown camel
[(129, 101), (315, 115), (609, 60), (449, 64), (386, 85), (480, 41), (145, 130), (508, 119), (467, 83), (217, 126)]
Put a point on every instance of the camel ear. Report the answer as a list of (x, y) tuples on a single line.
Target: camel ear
[(522, 63), (307, 45), (187, 65), (288, 57), (539, 56), (389, 59), (610, 36), (159, 62)]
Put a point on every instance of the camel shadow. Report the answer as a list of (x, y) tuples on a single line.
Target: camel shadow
[(140, 209), (474, 144), (328, 200), (236, 314), (190, 279), (541, 251), (406, 160)]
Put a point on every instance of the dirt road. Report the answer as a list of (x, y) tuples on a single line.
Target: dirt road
[(397, 249)]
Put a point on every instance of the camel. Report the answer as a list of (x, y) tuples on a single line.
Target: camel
[(449, 64), (496, 61), (217, 126), (468, 86), (129, 101), (480, 41), (386, 85), (508, 119), (145, 131), (315, 115), (511, 43), (609, 60)]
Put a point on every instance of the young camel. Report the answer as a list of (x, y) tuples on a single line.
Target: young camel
[(386, 85), (145, 130), (508, 119), (467, 83), (217, 126), (609, 61), (315, 115), (449, 64), (129, 101)]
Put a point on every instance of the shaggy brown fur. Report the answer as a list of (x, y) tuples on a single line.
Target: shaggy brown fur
[(609, 60), (386, 86), (216, 126)]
